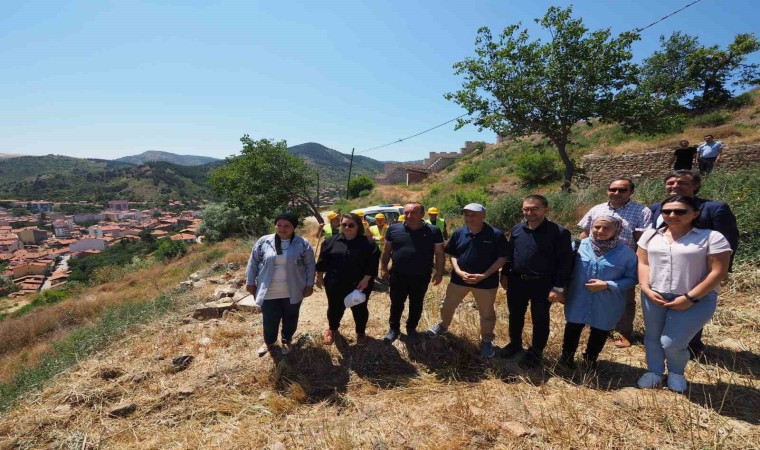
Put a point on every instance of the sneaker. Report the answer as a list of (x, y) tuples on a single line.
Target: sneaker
[(677, 383), (531, 360), (619, 340), (264, 349), (486, 350), (329, 337), (391, 336), (437, 330), (650, 380), (567, 361), (285, 348), (510, 350), (361, 339), (413, 337)]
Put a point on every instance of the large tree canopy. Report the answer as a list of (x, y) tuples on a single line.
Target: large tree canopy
[(517, 86), (265, 180)]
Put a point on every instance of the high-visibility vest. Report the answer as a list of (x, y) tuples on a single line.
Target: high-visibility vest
[(378, 234), (439, 222), (328, 230)]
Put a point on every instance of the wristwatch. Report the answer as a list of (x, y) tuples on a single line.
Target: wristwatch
[(690, 298)]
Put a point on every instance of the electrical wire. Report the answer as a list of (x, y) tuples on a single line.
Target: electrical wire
[(639, 30)]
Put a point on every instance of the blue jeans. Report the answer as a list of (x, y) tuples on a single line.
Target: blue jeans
[(279, 310), (668, 332)]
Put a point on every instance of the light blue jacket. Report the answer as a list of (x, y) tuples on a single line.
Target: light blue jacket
[(300, 267), (602, 310)]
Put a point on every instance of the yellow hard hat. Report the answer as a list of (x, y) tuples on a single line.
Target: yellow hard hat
[(359, 213), (433, 211), (332, 215), (401, 218), (380, 216)]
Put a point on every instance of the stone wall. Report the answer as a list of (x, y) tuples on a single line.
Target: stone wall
[(600, 169)]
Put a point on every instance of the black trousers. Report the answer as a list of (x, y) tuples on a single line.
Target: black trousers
[(336, 308), (706, 165), (520, 293), (276, 311), (403, 286), (572, 337)]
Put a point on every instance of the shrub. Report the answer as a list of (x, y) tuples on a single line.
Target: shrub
[(711, 120), (468, 174), (452, 204), (365, 193), (168, 249), (505, 212), (536, 168), (359, 184), (741, 101)]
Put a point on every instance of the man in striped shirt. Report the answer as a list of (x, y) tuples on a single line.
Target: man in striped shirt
[(635, 217)]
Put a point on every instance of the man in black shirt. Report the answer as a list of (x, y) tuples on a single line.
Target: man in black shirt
[(683, 156), (539, 260), (411, 245)]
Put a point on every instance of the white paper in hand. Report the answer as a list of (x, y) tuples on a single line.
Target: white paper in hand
[(354, 298)]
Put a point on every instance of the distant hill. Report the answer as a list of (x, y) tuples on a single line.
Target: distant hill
[(155, 155), (62, 178), (332, 165), (9, 155)]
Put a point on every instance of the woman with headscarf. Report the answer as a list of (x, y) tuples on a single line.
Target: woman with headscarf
[(347, 261), (280, 275), (604, 269)]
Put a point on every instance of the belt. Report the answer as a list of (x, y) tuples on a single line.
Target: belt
[(523, 276)]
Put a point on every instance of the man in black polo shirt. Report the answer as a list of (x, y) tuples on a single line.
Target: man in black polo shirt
[(539, 260), (411, 245), (477, 252)]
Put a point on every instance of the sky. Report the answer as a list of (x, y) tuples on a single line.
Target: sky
[(111, 78)]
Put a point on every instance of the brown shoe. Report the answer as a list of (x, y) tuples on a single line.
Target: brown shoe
[(361, 339), (619, 340), (329, 337)]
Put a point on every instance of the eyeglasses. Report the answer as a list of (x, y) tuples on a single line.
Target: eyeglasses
[(621, 190), (678, 212), (348, 225)]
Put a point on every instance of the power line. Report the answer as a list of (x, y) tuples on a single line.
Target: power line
[(639, 30), (412, 136)]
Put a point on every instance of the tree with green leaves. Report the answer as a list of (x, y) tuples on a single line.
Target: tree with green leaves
[(360, 184), (516, 86), (684, 69), (265, 180)]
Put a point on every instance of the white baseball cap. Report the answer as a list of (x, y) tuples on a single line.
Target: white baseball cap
[(477, 207)]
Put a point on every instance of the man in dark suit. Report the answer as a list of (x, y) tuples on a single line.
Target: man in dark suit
[(713, 215)]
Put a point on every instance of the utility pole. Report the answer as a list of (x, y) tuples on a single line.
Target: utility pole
[(350, 165)]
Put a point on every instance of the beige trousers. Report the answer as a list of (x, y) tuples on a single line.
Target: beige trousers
[(485, 299)]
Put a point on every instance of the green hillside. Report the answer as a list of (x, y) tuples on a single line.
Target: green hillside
[(155, 155), (332, 165), (23, 167)]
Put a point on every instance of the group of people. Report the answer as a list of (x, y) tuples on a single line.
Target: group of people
[(678, 251), (707, 155)]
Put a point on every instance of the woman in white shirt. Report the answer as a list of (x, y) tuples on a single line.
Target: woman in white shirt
[(680, 269), (280, 275)]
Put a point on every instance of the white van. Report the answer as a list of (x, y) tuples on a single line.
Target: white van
[(391, 213)]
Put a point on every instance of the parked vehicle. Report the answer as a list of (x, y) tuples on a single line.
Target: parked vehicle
[(391, 212)]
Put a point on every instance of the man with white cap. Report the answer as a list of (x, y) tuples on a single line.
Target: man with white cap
[(478, 250)]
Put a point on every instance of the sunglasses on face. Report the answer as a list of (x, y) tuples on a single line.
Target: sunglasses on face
[(621, 190), (678, 212), (348, 225)]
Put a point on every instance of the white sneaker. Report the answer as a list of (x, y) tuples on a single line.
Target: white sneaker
[(677, 383), (650, 380)]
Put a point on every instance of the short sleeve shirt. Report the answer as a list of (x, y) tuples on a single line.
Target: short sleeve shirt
[(634, 215), (413, 250), (475, 253), (710, 150), (675, 268), (684, 157)]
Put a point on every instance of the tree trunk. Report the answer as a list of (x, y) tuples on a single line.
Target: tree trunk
[(569, 166), (306, 199)]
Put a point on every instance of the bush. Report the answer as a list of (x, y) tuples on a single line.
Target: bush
[(711, 120), (537, 168), (452, 204), (741, 101), (359, 184), (365, 193), (168, 249), (221, 221), (505, 212), (468, 174)]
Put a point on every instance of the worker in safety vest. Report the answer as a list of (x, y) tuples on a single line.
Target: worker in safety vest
[(401, 218), (367, 232), (378, 231), (331, 227), (433, 219)]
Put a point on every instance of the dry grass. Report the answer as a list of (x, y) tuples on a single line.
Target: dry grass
[(438, 395), (25, 340)]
